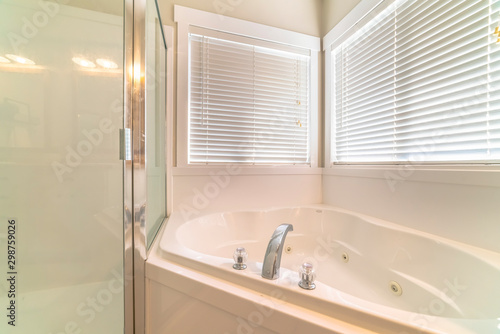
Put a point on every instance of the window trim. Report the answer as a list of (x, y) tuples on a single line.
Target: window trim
[(485, 175), (336, 34), (188, 17)]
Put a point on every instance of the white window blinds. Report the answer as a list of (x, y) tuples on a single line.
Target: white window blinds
[(420, 82), (248, 103)]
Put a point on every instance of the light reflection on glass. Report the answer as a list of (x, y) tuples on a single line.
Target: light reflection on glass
[(20, 60), (83, 62), (106, 63)]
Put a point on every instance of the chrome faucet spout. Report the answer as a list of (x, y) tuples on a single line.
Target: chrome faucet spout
[(272, 259)]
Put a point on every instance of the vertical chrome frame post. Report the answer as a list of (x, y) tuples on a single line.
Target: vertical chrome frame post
[(135, 170), (139, 163), (135, 177), (128, 241)]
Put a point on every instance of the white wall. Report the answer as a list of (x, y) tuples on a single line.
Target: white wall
[(463, 211), (238, 189)]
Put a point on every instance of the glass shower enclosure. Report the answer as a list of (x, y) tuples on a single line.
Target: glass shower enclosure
[(82, 162)]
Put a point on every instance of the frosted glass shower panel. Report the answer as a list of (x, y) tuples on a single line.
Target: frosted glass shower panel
[(61, 180), (155, 122)]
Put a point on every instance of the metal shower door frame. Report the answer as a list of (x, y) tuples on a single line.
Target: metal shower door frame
[(135, 195)]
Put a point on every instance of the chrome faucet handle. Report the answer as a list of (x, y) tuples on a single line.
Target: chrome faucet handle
[(307, 276), (240, 256)]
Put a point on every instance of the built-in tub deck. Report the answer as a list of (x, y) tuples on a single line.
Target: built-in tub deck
[(371, 273)]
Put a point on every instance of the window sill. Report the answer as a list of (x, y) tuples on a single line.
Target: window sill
[(459, 174), (233, 169)]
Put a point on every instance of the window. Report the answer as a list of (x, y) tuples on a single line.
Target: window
[(418, 82), (251, 100), (248, 104)]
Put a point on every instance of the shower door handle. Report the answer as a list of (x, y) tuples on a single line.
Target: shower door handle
[(125, 145)]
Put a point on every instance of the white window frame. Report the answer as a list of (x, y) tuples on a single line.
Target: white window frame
[(187, 18), (487, 174)]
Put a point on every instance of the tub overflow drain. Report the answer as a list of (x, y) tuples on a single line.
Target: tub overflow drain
[(395, 288), (345, 257)]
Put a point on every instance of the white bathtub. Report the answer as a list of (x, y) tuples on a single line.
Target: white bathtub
[(447, 287)]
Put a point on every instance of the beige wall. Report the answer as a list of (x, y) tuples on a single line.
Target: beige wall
[(333, 11), (295, 15), (312, 17)]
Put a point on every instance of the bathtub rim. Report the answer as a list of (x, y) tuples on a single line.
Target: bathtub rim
[(167, 244)]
